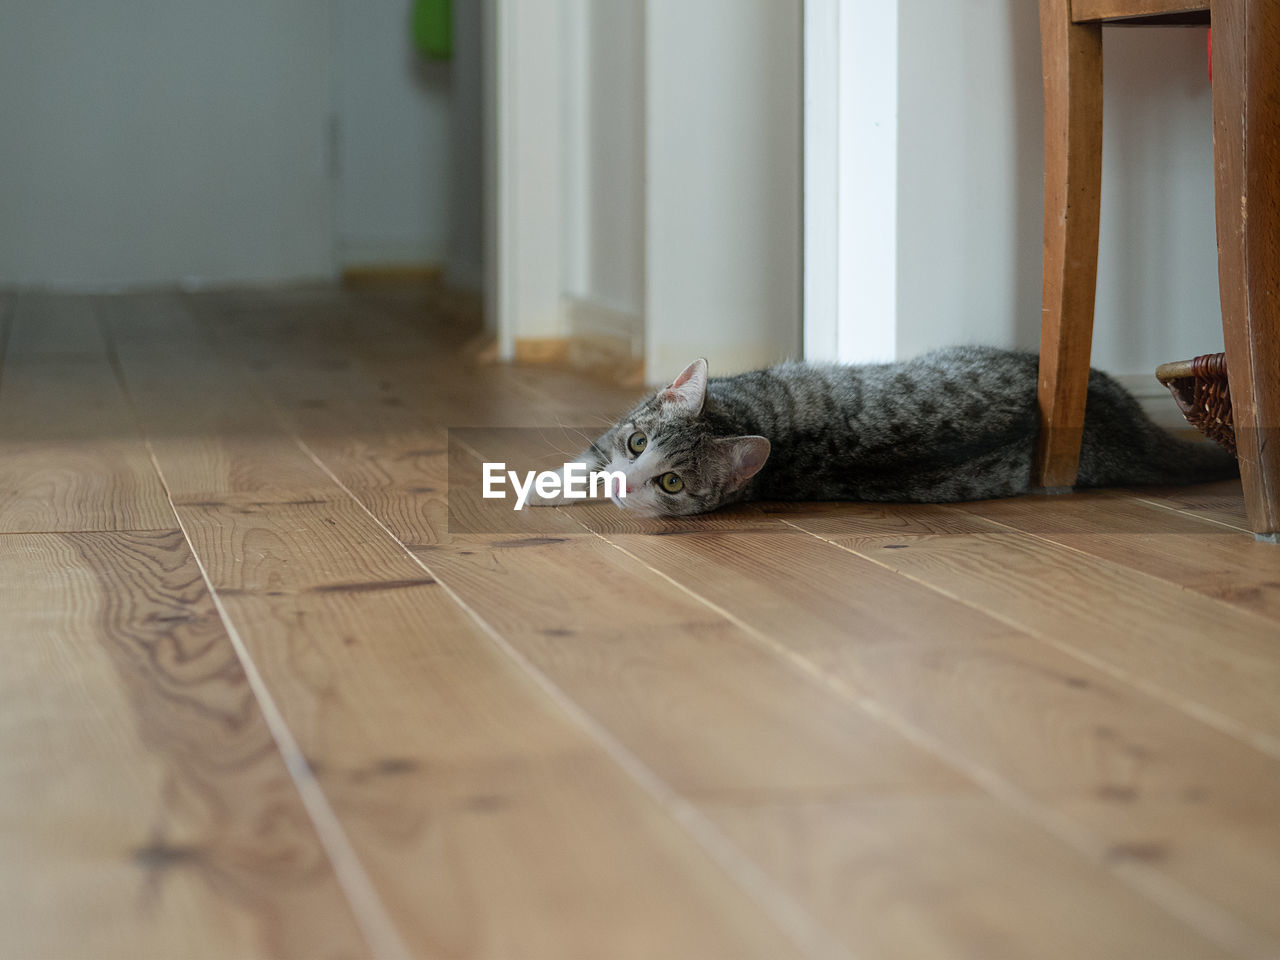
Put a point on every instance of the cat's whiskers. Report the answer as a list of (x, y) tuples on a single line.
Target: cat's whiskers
[(554, 446)]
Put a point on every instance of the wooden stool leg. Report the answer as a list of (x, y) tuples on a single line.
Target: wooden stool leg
[(1246, 147), (1072, 58)]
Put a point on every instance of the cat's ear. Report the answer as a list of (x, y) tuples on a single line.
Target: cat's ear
[(746, 455), (689, 390)]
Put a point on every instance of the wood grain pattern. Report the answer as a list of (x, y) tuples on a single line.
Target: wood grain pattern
[(766, 731), (227, 444), (1072, 64), (1221, 503), (407, 362), (147, 810), (70, 455), (1122, 768), (1007, 729), (768, 741), (479, 809), (738, 771), (1093, 10), (1246, 143), (859, 865), (1141, 627), (770, 745), (1177, 547)]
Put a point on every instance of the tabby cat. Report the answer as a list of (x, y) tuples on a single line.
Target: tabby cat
[(956, 424)]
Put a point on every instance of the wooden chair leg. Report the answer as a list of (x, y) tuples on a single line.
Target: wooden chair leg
[(1072, 59), (1246, 146)]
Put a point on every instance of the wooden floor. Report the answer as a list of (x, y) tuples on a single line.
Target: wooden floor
[(259, 697)]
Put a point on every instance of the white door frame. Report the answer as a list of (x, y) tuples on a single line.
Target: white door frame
[(851, 160), (522, 178), (724, 307)]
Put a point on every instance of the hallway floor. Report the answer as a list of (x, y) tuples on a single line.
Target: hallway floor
[(276, 682)]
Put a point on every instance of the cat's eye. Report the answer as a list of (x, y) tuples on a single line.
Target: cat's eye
[(637, 442), (671, 483)]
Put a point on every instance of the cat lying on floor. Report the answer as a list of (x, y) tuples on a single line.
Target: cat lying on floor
[(956, 424)]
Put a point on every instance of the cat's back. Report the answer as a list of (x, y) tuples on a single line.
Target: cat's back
[(957, 368), (936, 391), (952, 372)]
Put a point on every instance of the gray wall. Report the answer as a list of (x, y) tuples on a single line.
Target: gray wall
[(146, 142), (393, 111), (151, 143), (465, 188)]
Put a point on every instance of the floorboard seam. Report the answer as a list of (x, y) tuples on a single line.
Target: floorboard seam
[(375, 924), (1262, 742), (1209, 598), (791, 918), (1210, 920), (1184, 511), (1167, 893)]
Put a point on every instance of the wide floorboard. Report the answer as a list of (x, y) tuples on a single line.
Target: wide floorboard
[(279, 682)]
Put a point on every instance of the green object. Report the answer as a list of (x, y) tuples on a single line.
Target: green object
[(433, 28)]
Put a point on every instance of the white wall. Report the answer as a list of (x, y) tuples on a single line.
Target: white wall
[(850, 181), (723, 242), (970, 124), (603, 170), (970, 180), (647, 158), (524, 141), (1158, 266), (394, 119), (146, 142), (970, 201)]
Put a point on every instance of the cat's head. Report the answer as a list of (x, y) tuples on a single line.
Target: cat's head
[(673, 462)]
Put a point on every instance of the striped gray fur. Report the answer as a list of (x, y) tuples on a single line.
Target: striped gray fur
[(956, 424)]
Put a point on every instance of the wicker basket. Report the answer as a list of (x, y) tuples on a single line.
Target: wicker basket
[(1201, 391)]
